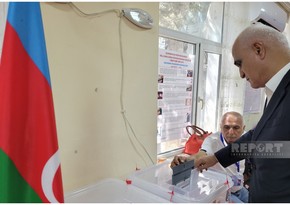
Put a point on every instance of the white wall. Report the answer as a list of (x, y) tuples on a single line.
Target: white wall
[(85, 67)]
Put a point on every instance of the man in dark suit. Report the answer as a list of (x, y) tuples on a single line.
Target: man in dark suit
[(262, 55)]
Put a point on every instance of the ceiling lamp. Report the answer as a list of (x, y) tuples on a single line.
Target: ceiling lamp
[(138, 17)]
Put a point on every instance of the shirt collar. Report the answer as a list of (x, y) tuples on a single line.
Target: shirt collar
[(223, 140), (273, 83)]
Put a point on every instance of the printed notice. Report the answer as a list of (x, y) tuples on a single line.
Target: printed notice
[(174, 94)]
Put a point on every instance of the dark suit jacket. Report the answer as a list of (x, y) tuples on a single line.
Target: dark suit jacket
[(270, 180)]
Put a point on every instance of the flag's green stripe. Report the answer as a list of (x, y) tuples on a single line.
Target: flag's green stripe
[(13, 188)]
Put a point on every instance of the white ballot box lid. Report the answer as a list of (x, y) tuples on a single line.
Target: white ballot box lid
[(112, 191)]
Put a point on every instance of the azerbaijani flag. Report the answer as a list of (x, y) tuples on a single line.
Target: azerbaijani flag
[(29, 156)]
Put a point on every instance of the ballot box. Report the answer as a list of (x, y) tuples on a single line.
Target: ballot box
[(112, 191), (209, 186)]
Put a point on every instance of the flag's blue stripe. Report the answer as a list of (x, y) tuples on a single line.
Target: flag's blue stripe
[(25, 18)]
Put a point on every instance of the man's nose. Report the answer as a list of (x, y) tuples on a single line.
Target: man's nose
[(242, 74), (231, 130)]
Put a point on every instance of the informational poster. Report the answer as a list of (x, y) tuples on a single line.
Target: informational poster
[(175, 84)]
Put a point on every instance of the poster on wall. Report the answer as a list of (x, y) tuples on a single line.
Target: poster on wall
[(175, 84)]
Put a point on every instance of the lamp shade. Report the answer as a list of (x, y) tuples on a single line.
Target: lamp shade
[(138, 17)]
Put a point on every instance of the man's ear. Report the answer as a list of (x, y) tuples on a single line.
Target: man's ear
[(259, 49)]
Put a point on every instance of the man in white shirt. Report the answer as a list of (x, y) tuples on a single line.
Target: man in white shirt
[(232, 127)]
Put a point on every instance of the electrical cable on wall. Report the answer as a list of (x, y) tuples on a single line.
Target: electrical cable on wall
[(72, 5), (146, 24)]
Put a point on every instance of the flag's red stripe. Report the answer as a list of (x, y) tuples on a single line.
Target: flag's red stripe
[(27, 116), (57, 188)]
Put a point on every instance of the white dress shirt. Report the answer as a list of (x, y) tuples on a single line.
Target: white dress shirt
[(273, 83)]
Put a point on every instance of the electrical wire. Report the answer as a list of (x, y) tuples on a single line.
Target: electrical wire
[(127, 123), (73, 6), (123, 111)]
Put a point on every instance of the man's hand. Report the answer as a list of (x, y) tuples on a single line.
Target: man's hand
[(177, 160), (181, 159), (205, 162)]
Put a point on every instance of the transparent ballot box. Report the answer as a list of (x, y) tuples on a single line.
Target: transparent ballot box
[(112, 191), (206, 187)]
